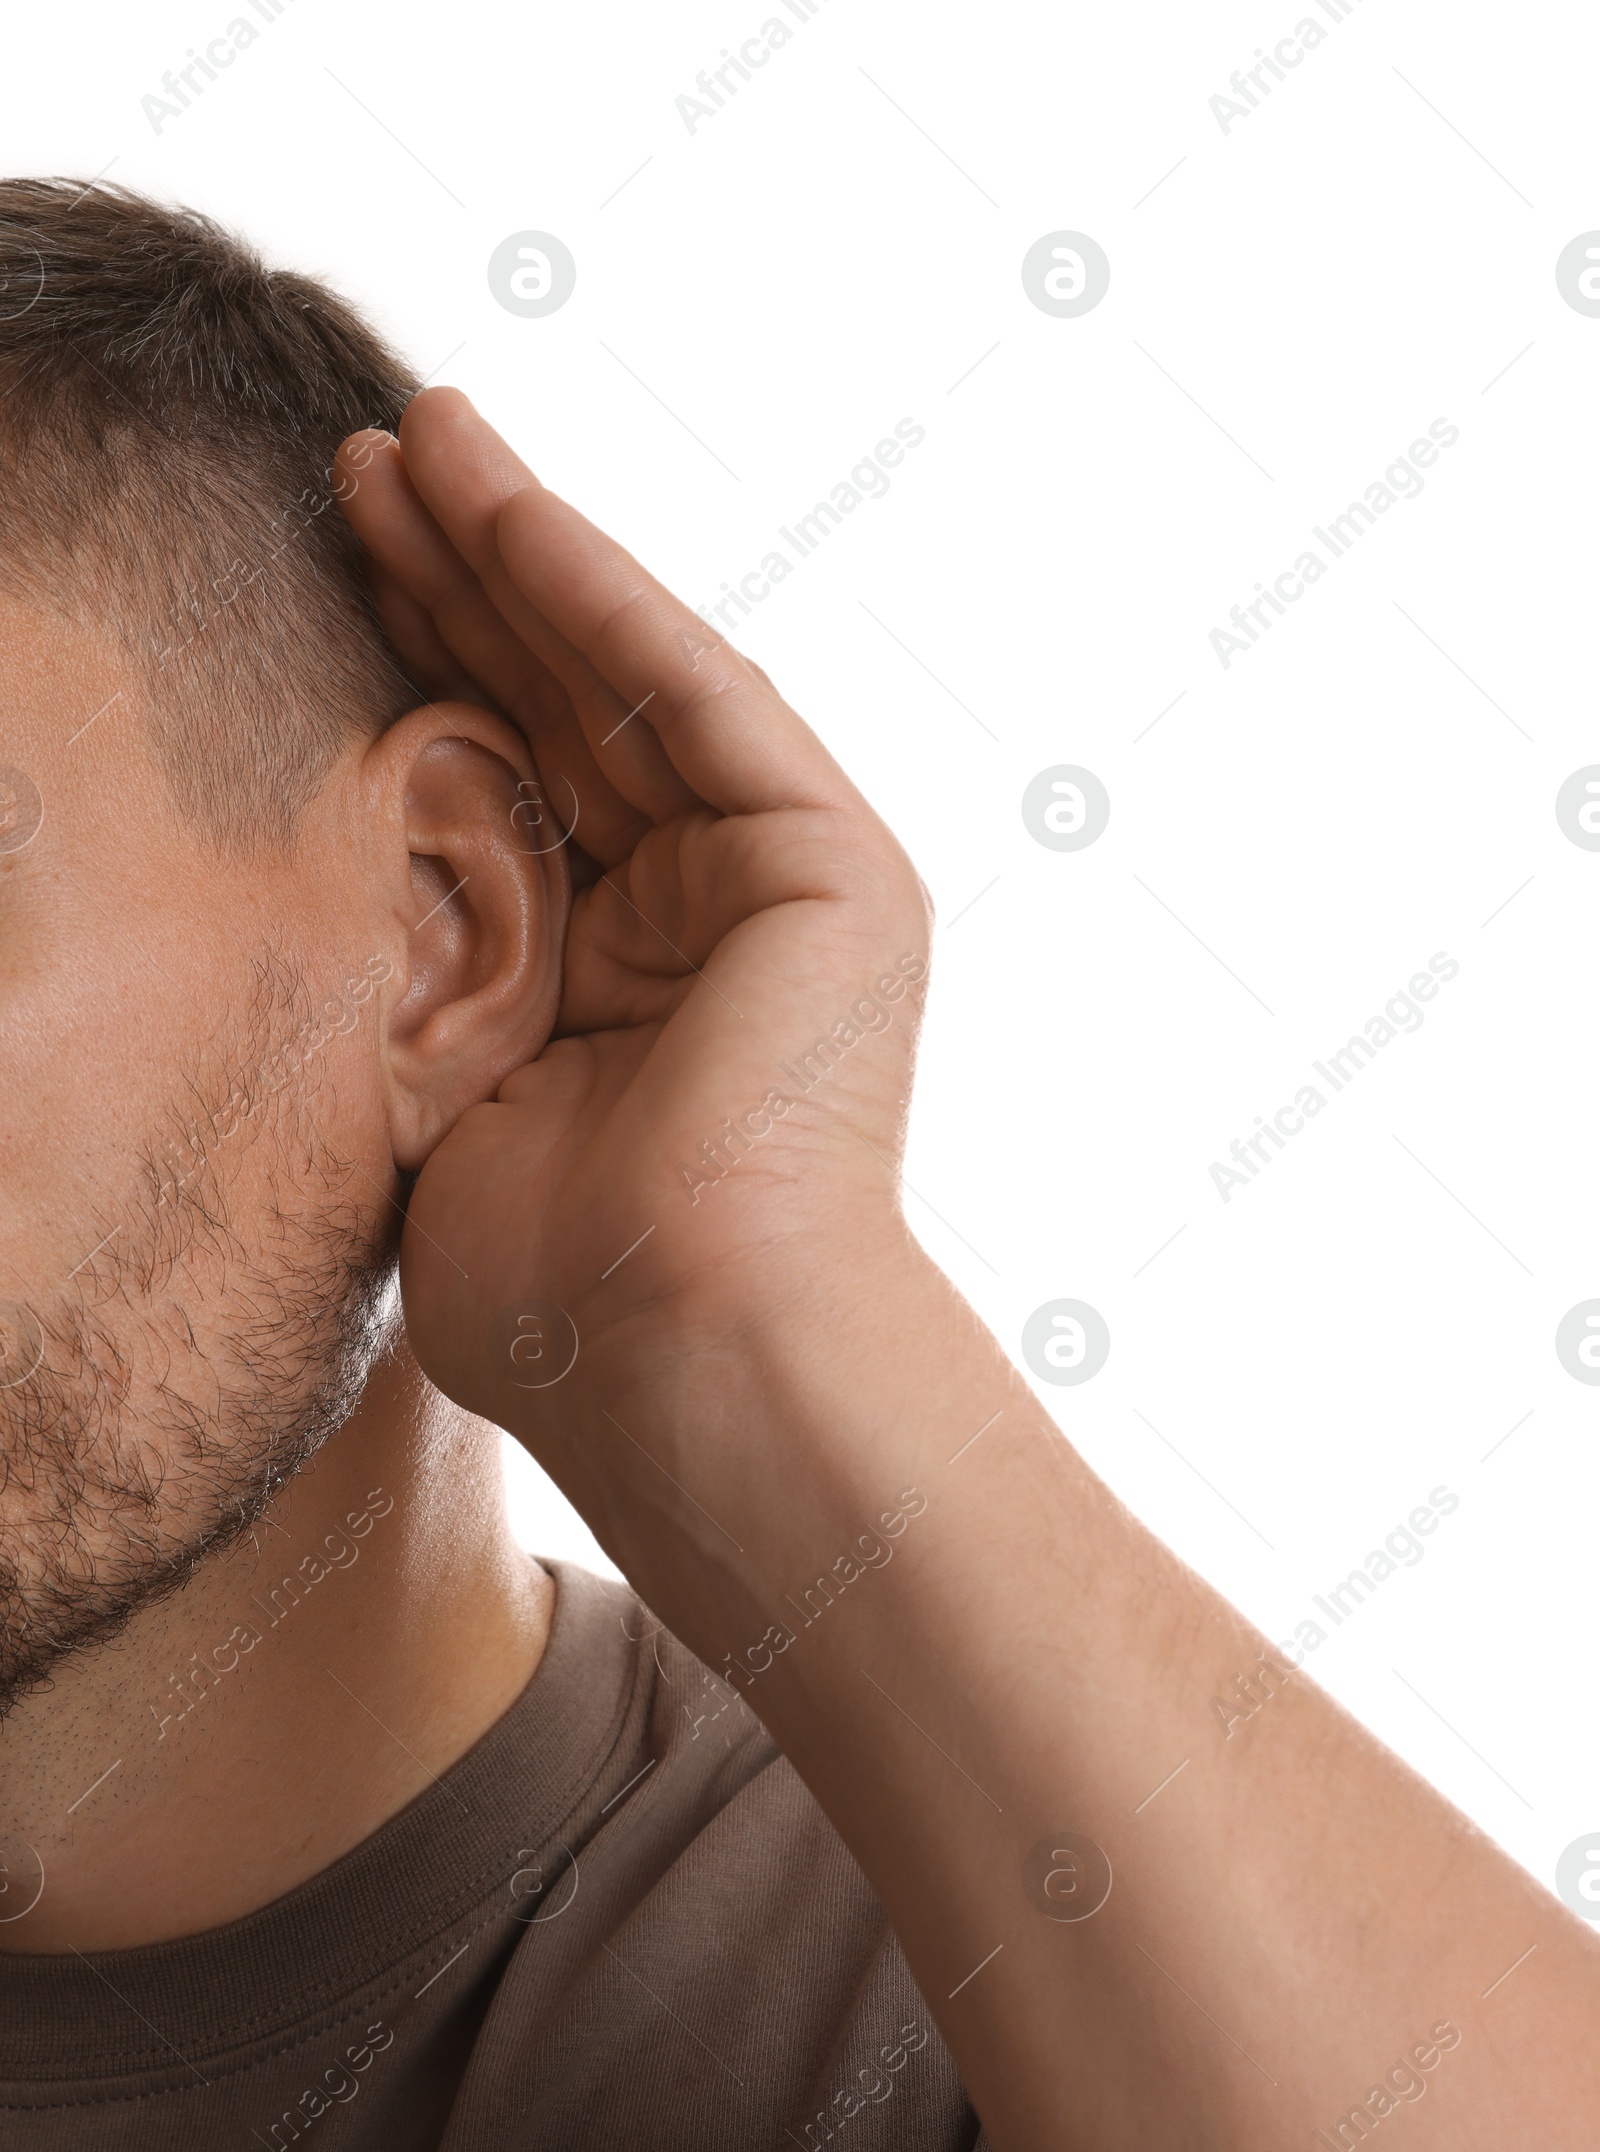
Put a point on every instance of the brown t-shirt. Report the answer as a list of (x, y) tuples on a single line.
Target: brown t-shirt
[(620, 1921)]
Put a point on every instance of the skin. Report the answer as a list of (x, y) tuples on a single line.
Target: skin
[(768, 1368), (424, 1628), (131, 959)]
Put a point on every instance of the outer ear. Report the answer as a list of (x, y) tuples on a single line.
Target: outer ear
[(479, 907)]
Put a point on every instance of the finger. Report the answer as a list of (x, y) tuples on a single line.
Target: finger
[(653, 924), (464, 474), (430, 667), (730, 735), (606, 620), (399, 531), (425, 580)]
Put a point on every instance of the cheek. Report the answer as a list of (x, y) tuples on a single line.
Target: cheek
[(94, 1032), (155, 1049)]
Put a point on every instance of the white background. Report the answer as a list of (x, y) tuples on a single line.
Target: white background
[(840, 248)]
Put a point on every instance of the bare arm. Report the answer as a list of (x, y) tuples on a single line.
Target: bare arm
[(820, 1470)]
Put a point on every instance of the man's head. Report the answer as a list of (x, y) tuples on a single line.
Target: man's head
[(267, 926)]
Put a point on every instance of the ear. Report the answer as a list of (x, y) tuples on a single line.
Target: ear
[(478, 899)]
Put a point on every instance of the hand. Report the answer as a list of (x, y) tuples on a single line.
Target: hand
[(739, 909)]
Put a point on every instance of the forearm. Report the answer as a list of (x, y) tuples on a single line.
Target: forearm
[(766, 1370), (971, 1651)]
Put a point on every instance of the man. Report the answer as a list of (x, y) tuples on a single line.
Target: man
[(529, 941)]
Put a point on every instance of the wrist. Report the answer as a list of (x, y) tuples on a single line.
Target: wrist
[(729, 1448), (749, 1308)]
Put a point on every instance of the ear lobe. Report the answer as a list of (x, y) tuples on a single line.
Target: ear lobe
[(481, 918)]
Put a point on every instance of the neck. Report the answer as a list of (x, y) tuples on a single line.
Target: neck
[(298, 1691)]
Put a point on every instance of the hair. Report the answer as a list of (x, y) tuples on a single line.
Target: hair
[(169, 412)]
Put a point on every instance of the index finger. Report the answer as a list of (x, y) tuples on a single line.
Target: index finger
[(727, 730)]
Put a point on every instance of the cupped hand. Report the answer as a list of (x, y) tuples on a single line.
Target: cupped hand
[(717, 1116)]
